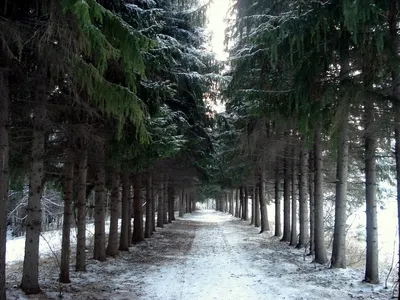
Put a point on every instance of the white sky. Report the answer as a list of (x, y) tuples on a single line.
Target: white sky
[(216, 26)]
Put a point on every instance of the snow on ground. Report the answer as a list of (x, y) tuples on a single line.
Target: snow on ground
[(50, 241), (205, 255)]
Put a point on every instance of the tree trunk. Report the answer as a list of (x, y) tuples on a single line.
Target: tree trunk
[(303, 211), (242, 211), (338, 259), (153, 206), (253, 207), (237, 203), (246, 204), (125, 211), (30, 273), (286, 200), (66, 231), (293, 236), (171, 204), (138, 234), (319, 236), (394, 42), (112, 247), (263, 203), (372, 263), (4, 154), (99, 250), (131, 211), (181, 202), (311, 190), (148, 229), (165, 198), (278, 221), (80, 263), (257, 215), (160, 207)]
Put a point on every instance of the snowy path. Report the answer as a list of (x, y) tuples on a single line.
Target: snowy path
[(209, 255)]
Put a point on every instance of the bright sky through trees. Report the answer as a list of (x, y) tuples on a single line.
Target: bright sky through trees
[(216, 26)]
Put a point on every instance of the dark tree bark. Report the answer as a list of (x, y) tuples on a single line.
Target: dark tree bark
[(286, 199), (160, 207), (394, 42), (131, 211), (338, 259), (138, 234), (30, 272), (171, 204), (66, 231), (372, 263), (99, 250), (181, 203), (263, 203), (153, 205), (4, 154), (319, 235), (80, 263), (246, 204), (303, 211), (112, 247), (311, 189), (148, 229), (257, 215), (253, 206), (242, 210), (165, 198), (237, 207), (125, 211), (293, 236), (278, 221)]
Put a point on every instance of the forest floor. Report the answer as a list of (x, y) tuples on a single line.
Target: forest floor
[(205, 255)]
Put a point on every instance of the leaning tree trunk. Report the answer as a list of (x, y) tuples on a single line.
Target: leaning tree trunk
[(286, 199), (66, 231), (80, 263), (160, 206), (112, 247), (338, 259), (278, 221), (138, 234), (148, 228), (372, 263), (125, 211), (319, 236), (293, 236), (303, 211), (99, 250), (4, 153), (263, 203), (30, 273), (311, 190)]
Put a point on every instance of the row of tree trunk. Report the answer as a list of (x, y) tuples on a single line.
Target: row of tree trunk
[(150, 197), (303, 203)]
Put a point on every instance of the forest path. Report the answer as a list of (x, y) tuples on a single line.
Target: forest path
[(208, 255)]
